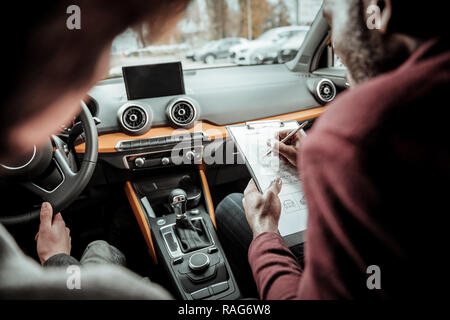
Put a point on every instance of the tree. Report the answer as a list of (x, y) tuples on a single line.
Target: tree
[(260, 12), (142, 34), (218, 13), (279, 15)]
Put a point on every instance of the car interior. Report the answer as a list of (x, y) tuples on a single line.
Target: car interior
[(137, 161)]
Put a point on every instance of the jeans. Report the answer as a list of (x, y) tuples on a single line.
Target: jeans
[(236, 236), (101, 252), (97, 252)]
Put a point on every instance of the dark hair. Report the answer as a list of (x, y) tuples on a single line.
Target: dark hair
[(419, 19), (43, 58)]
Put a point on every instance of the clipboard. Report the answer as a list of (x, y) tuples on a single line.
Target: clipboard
[(253, 125), (291, 195)]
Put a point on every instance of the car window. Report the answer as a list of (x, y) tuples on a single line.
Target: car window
[(249, 27), (271, 34), (338, 63), (334, 61), (228, 43)]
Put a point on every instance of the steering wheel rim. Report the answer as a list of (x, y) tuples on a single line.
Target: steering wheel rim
[(73, 182)]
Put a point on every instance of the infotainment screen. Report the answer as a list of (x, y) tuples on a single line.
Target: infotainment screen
[(154, 80)]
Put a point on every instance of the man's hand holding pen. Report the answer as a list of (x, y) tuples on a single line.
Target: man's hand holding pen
[(287, 149)]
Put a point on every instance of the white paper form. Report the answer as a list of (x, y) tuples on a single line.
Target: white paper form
[(252, 143)]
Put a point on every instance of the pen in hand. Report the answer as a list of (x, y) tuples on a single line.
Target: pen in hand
[(289, 136)]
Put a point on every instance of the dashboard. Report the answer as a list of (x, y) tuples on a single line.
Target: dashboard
[(132, 126)]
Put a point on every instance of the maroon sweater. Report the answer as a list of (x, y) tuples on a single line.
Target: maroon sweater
[(376, 174)]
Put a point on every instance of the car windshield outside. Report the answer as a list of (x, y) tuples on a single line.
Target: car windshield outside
[(269, 35), (234, 33)]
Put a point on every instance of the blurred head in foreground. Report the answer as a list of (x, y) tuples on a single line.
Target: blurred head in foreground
[(49, 67)]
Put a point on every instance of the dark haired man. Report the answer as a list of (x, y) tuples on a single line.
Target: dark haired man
[(375, 168)]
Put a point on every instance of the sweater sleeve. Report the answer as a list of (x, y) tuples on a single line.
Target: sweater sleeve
[(61, 260), (275, 269)]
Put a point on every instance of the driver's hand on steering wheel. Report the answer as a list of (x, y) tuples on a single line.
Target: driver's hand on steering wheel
[(53, 236)]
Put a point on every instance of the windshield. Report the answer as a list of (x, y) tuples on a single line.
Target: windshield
[(216, 33), (268, 35), (210, 45)]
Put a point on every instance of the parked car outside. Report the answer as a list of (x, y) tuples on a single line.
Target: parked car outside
[(290, 48), (265, 48), (219, 49), (156, 50)]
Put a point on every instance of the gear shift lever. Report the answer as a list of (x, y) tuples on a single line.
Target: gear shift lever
[(191, 235), (178, 201)]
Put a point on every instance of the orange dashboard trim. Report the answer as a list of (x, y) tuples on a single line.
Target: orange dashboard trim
[(142, 221), (107, 143), (208, 198)]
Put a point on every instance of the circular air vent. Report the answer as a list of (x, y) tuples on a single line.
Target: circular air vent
[(325, 90), (134, 118), (182, 112)]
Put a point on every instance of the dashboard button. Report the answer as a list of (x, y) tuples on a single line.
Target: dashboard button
[(125, 145), (220, 287), (194, 212), (212, 250), (145, 143), (139, 162), (136, 144), (165, 161), (171, 243), (201, 294), (151, 142), (162, 140)]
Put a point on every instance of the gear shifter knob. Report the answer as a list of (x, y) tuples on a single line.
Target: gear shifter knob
[(178, 201)]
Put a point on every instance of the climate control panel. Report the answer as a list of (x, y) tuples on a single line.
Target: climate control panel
[(165, 158)]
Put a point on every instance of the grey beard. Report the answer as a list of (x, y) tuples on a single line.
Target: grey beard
[(362, 60), (363, 50), (368, 53)]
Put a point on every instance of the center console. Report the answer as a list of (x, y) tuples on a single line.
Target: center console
[(175, 212)]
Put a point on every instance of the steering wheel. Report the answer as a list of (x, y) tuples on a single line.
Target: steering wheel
[(67, 184)]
